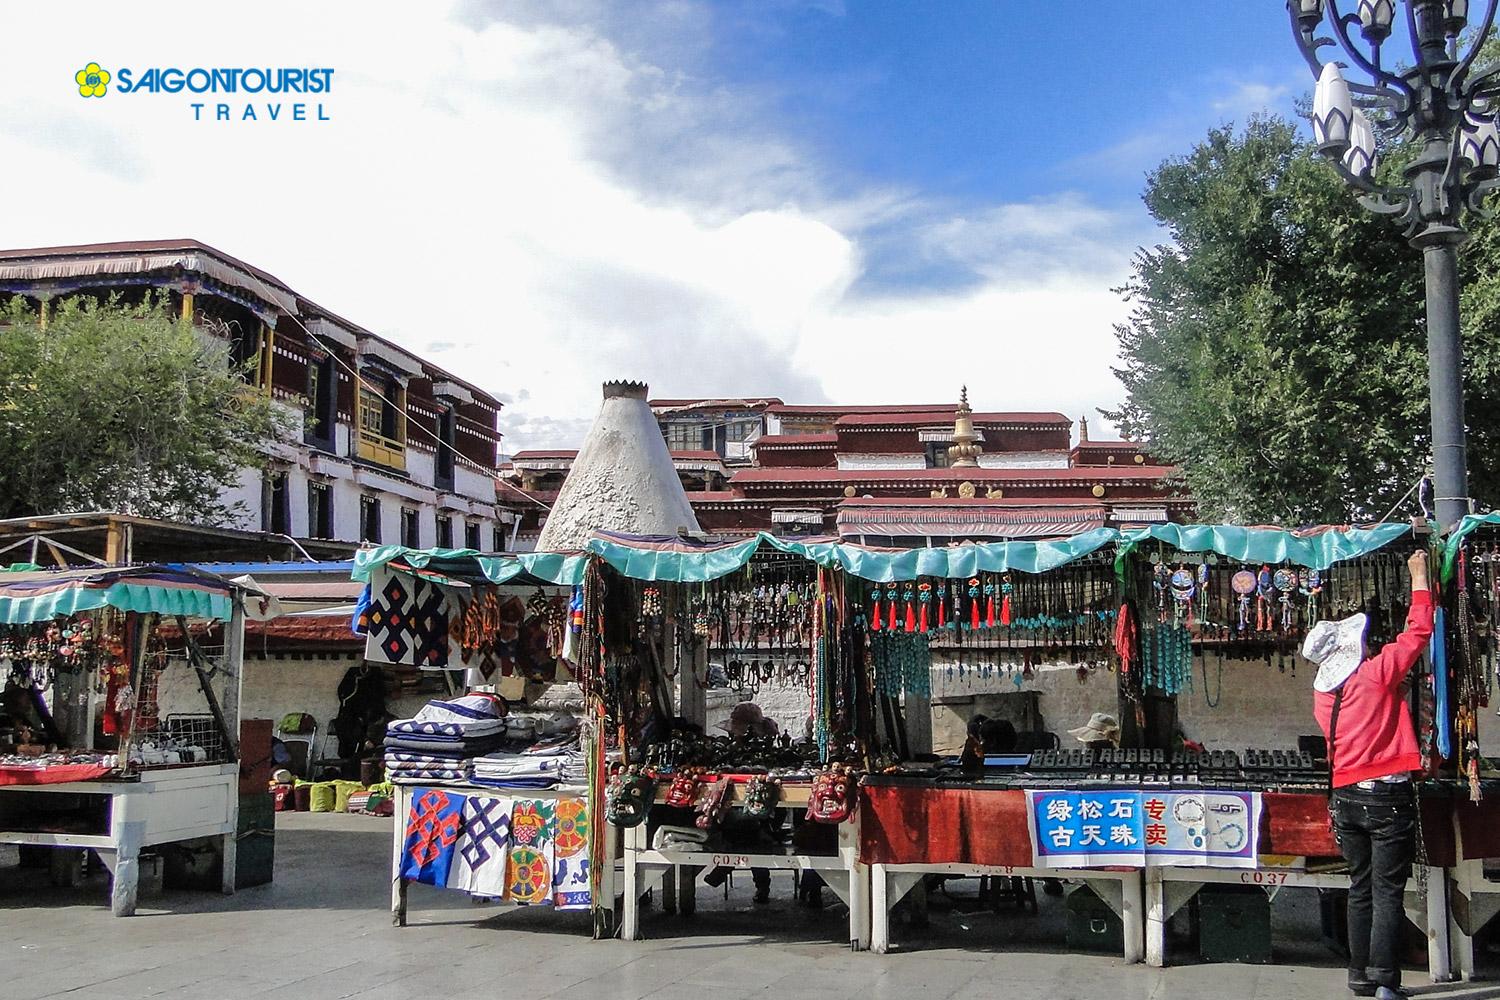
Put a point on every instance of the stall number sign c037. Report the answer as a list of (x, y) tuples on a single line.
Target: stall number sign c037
[(1136, 829)]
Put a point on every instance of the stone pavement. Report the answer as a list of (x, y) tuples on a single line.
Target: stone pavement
[(322, 931)]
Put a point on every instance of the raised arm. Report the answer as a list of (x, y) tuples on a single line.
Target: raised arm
[(1395, 659)]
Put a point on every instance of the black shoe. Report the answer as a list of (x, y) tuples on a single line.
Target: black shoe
[(762, 897), (1368, 989), (715, 878)]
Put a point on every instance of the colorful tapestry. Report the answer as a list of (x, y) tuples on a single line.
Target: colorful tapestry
[(407, 621), (432, 828), (487, 629), (529, 877), (570, 878), (482, 855)]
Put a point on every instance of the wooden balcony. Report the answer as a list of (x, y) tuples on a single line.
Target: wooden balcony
[(380, 449)]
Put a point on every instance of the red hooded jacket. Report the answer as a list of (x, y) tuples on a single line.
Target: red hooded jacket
[(1375, 737)]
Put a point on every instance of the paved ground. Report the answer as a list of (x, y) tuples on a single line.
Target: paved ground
[(321, 931)]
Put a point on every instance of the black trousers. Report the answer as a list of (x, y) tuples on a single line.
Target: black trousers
[(1377, 833)]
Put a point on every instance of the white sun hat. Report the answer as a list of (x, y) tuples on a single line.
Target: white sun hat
[(1337, 648)]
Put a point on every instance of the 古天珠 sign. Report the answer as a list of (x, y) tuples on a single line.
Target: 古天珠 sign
[(1076, 829)]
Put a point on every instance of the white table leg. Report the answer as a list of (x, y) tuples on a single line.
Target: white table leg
[(1131, 914), (398, 842), (880, 911), (859, 885), (635, 838), (1156, 918), (1437, 926), (1460, 942), (129, 834)]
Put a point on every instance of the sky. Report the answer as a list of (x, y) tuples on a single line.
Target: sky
[(827, 201)]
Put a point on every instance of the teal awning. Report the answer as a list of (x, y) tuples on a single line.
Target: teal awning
[(1315, 548), (40, 596), (561, 568), (1455, 540), (684, 561)]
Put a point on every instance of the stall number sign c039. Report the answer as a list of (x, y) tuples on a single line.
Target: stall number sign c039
[(1136, 828)]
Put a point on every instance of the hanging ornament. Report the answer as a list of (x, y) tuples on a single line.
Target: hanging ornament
[(942, 604), (1243, 584), (924, 598), (908, 597), (1007, 586), (875, 609), (1184, 586), (1285, 582), (989, 604), (1310, 585), (974, 602), (891, 590)]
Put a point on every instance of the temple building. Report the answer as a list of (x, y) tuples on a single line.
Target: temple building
[(395, 449), (889, 474)]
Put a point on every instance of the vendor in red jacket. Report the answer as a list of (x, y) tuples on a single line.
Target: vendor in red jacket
[(1372, 749)]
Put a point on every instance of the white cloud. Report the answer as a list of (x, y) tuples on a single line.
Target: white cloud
[(1250, 98), (539, 206)]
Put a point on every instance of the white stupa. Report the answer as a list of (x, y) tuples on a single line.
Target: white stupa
[(623, 479)]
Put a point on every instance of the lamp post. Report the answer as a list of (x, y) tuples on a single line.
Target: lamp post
[(1449, 114)]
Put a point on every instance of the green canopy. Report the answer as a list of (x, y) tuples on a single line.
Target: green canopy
[(1315, 548), (1455, 539), (41, 596), (561, 568), (679, 560)]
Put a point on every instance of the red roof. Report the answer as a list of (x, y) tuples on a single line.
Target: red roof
[(717, 402), (554, 454), (1103, 474), (816, 409), (906, 417), (965, 502), (796, 440)]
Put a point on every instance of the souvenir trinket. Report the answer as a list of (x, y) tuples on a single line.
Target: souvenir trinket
[(831, 798), (630, 795)]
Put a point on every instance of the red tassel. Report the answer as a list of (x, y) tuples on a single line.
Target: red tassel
[(989, 612), (875, 617), (974, 613), (892, 625), (911, 618), (943, 611), (924, 615), (1005, 610)]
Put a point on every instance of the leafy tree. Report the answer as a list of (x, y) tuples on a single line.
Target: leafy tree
[(124, 408), (1276, 348)]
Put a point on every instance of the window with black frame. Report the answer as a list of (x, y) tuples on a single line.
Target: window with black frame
[(369, 518)]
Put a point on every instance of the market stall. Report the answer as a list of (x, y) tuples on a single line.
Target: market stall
[(492, 783), (118, 722), (696, 802), (1193, 601)]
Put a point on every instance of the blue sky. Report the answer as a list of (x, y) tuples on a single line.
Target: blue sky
[(991, 100), (826, 201)]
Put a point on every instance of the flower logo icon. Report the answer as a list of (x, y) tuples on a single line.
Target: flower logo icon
[(92, 80)]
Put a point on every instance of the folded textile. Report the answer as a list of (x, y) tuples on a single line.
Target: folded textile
[(402, 758), (428, 774), (470, 708), (429, 729), (451, 748)]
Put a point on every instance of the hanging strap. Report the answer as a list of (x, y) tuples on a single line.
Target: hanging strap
[(1333, 725)]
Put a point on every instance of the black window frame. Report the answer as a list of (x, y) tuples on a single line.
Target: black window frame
[(444, 538), (322, 403), (445, 459), (471, 535), (411, 528), (319, 510), (369, 518)]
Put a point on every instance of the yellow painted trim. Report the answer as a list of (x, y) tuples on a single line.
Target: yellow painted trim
[(268, 342), (187, 306), (41, 313)]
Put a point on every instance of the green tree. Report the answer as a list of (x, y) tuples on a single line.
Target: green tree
[(124, 408), (1275, 348)]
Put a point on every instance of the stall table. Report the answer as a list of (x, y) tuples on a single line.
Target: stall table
[(402, 801), (150, 808), (844, 873), (913, 828)]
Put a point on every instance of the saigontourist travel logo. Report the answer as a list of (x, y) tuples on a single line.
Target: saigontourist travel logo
[(227, 93), (92, 81)]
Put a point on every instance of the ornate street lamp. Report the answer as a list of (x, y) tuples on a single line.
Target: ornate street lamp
[(1450, 114)]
